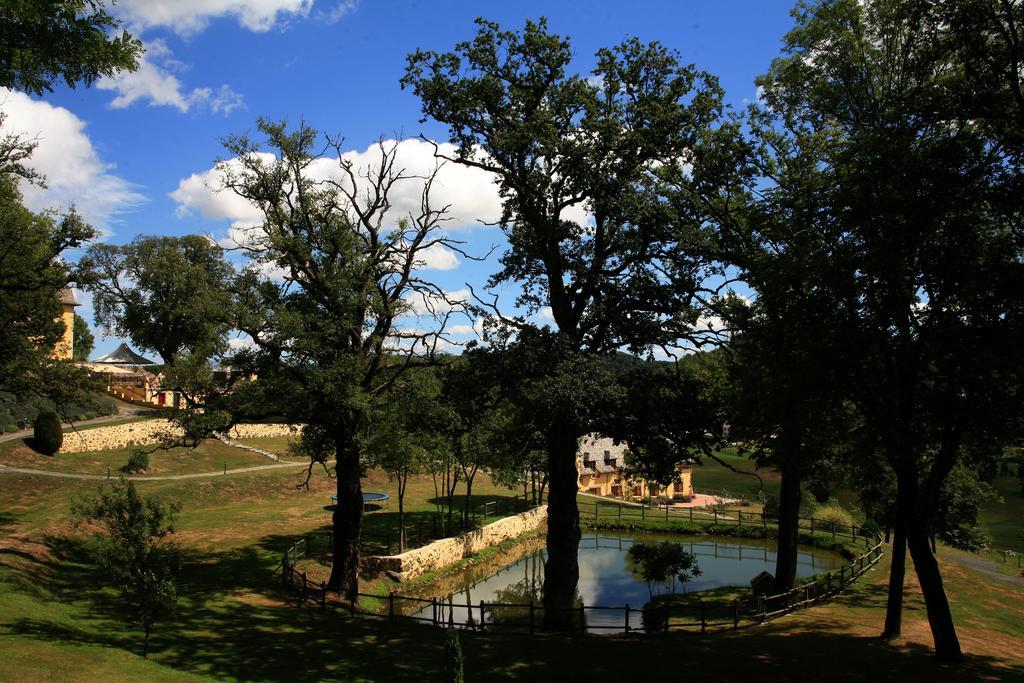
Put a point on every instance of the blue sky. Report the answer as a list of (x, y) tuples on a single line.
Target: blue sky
[(123, 150)]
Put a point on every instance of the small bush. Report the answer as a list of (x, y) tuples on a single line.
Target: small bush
[(682, 498), (453, 665), (663, 500), (137, 462), (832, 517), (971, 539), (47, 437)]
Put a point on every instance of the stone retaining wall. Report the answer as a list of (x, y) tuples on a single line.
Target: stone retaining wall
[(447, 551), (150, 432), (260, 431), (116, 436)]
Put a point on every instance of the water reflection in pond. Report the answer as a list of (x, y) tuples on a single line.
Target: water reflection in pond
[(606, 577)]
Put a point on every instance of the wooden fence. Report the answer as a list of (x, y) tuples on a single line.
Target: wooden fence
[(584, 619)]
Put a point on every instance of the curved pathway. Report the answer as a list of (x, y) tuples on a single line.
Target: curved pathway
[(986, 567), (4, 469)]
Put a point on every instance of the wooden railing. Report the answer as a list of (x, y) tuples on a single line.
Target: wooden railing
[(623, 619)]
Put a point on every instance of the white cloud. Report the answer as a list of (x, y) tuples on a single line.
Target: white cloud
[(342, 9), (188, 17), (470, 193), (437, 257), (75, 173), (546, 314), (429, 304), (154, 84)]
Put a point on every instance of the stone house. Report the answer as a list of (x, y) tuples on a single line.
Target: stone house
[(602, 472)]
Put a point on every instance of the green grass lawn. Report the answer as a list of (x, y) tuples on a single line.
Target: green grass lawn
[(711, 477), (1004, 522), (59, 622), (274, 444), (211, 455)]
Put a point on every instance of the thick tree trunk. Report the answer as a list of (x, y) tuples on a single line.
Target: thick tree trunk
[(347, 518), (789, 528), (469, 494), (897, 570), (562, 570), (947, 645)]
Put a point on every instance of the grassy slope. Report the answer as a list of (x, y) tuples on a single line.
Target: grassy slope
[(1004, 522), (712, 477), (235, 624), (210, 456)]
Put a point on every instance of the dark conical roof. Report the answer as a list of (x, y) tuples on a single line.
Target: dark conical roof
[(122, 355)]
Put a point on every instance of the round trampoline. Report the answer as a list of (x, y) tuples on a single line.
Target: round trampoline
[(368, 498)]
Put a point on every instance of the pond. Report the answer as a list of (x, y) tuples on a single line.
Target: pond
[(606, 577)]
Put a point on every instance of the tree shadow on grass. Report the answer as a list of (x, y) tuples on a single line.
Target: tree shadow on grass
[(236, 621), (817, 652)]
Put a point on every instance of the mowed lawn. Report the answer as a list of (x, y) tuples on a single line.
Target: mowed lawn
[(1004, 521), (711, 477), (58, 621), (210, 456)]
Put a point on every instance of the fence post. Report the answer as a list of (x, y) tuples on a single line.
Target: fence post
[(481, 615), (531, 616), (735, 615), (627, 618), (716, 515), (703, 618), (668, 614), (739, 518), (595, 509), (583, 619), (304, 589), (642, 509), (666, 513), (691, 514), (433, 612), (323, 595), (812, 526)]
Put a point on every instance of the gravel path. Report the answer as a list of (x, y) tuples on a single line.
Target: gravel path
[(985, 567)]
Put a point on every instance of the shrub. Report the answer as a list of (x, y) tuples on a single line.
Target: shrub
[(138, 461), (682, 498), (453, 664), (832, 516), (971, 539), (663, 500), (137, 552), (47, 437)]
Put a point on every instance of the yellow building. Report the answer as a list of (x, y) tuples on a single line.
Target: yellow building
[(65, 348), (602, 472)]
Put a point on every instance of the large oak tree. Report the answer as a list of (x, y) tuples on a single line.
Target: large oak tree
[(560, 144)]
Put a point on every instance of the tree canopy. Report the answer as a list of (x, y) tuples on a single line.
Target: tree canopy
[(579, 161), (75, 41), (167, 294)]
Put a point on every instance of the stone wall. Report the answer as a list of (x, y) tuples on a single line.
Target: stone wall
[(260, 431), (447, 551), (150, 432), (115, 436)]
